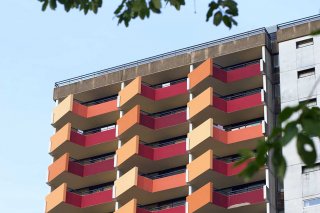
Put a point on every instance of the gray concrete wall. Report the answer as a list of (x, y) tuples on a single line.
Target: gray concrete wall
[(298, 186)]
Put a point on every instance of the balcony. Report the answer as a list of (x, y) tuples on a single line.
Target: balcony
[(85, 115), (171, 206), (83, 144), (152, 127), (154, 98), (151, 157), (220, 171), (88, 200), (227, 140), (226, 110), (244, 198), (81, 173), (151, 188), (227, 80)]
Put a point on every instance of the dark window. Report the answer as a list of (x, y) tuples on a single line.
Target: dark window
[(304, 43), (306, 73)]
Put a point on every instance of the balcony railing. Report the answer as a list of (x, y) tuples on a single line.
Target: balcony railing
[(165, 113), (95, 130), (237, 66), (166, 84), (97, 101), (164, 205), (94, 159), (241, 189), (166, 142), (241, 125), (299, 21), (240, 94), (92, 189), (165, 173)]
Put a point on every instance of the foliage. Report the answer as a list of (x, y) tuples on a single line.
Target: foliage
[(220, 10), (315, 32), (304, 128)]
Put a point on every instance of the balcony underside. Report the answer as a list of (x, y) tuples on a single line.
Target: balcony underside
[(67, 208), (223, 88), (152, 106), (146, 198), (75, 182), (222, 181), (148, 166), (152, 135), (220, 149), (83, 123), (224, 118), (243, 208), (80, 152)]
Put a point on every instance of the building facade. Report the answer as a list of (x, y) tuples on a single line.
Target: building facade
[(162, 134)]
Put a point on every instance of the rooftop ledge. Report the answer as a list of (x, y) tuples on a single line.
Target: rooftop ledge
[(185, 56)]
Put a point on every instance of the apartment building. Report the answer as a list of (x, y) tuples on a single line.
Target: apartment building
[(162, 134)]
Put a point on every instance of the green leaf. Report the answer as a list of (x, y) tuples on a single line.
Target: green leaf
[(45, 5), (53, 4), (311, 126), (286, 113), (156, 4), (227, 21), (290, 132), (217, 18), (279, 163), (306, 149)]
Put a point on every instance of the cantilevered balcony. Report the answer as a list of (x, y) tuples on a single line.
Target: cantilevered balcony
[(151, 157), (83, 144), (226, 110), (168, 206), (243, 198), (152, 127), (85, 115), (81, 173), (154, 98), (227, 80), (151, 188), (225, 140), (220, 171), (91, 199)]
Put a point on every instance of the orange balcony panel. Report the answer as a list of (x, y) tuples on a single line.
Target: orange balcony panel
[(225, 111), (61, 200), (153, 99), (243, 77), (207, 169), (223, 143), (130, 207), (84, 117), (149, 128), (147, 190), (77, 175), (81, 146), (207, 200), (150, 159)]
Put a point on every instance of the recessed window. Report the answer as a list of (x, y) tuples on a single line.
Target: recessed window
[(310, 102), (306, 73), (306, 169), (304, 43), (312, 202)]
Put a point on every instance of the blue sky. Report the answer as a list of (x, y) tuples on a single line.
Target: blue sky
[(37, 49)]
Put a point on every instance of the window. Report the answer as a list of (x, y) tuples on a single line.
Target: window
[(310, 102), (304, 43), (306, 73), (306, 169), (311, 202)]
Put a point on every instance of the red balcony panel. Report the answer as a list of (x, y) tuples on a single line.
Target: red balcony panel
[(237, 104), (165, 92), (93, 139), (228, 169), (178, 209), (94, 110), (84, 201), (79, 109), (164, 121), (91, 169), (171, 120), (162, 152), (237, 74), (145, 184), (245, 198)]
